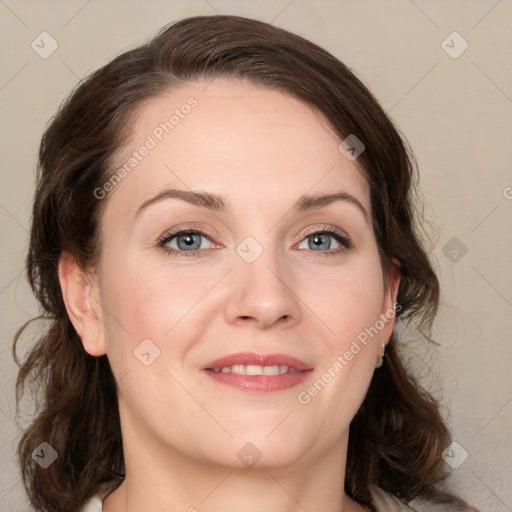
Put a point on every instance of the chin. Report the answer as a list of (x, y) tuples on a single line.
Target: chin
[(257, 449)]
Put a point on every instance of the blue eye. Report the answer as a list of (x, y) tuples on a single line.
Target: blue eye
[(185, 242), (326, 240)]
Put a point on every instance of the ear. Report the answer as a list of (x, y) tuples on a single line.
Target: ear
[(79, 290), (390, 294)]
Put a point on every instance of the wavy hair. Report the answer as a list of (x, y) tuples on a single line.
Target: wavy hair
[(398, 435)]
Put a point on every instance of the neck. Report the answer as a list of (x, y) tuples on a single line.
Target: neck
[(159, 480)]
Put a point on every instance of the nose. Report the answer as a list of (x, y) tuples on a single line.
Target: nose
[(262, 293)]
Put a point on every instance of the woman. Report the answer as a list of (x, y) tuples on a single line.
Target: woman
[(223, 240)]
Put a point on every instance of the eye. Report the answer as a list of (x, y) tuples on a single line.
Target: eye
[(185, 241), (190, 242), (327, 240)]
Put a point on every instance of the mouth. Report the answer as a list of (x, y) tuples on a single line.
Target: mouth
[(250, 371)]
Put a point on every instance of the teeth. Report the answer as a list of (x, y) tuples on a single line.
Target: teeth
[(273, 370), (239, 369), (253, 369)]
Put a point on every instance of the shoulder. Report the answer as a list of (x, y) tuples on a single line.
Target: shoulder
[(95, 504), (385, 502)]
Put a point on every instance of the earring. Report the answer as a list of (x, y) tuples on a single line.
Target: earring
[(380, 362)]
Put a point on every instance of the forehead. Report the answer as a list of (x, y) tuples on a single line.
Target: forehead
[(257, 146)]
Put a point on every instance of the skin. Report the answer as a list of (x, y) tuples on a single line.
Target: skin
[(261, 150)]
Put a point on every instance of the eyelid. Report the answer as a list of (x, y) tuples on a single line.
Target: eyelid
[(324, 229), (189, 228)]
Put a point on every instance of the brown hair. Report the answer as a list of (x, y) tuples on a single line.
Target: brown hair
[(397, 436)]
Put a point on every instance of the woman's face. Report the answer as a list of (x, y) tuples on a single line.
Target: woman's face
[(287, 285)]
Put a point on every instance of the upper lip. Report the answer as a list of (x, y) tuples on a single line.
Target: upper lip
[(253, 358)]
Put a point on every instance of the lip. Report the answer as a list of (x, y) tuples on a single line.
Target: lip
[(261, 383), (260, 360)]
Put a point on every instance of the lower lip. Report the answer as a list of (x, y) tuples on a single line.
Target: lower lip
[(262, 383)]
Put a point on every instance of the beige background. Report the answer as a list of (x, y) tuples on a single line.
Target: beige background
[(455, 112)]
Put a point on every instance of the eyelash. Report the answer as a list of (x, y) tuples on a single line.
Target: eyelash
[(342, 238)]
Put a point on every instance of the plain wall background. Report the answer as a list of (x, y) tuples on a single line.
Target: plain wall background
[(455, 112)]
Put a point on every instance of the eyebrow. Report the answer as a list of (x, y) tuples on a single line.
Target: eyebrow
[(204, 199), (217, 202), (307, 203)]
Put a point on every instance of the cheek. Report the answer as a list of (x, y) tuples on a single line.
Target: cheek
[(352, 307), (351, 301), (144, 302)]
